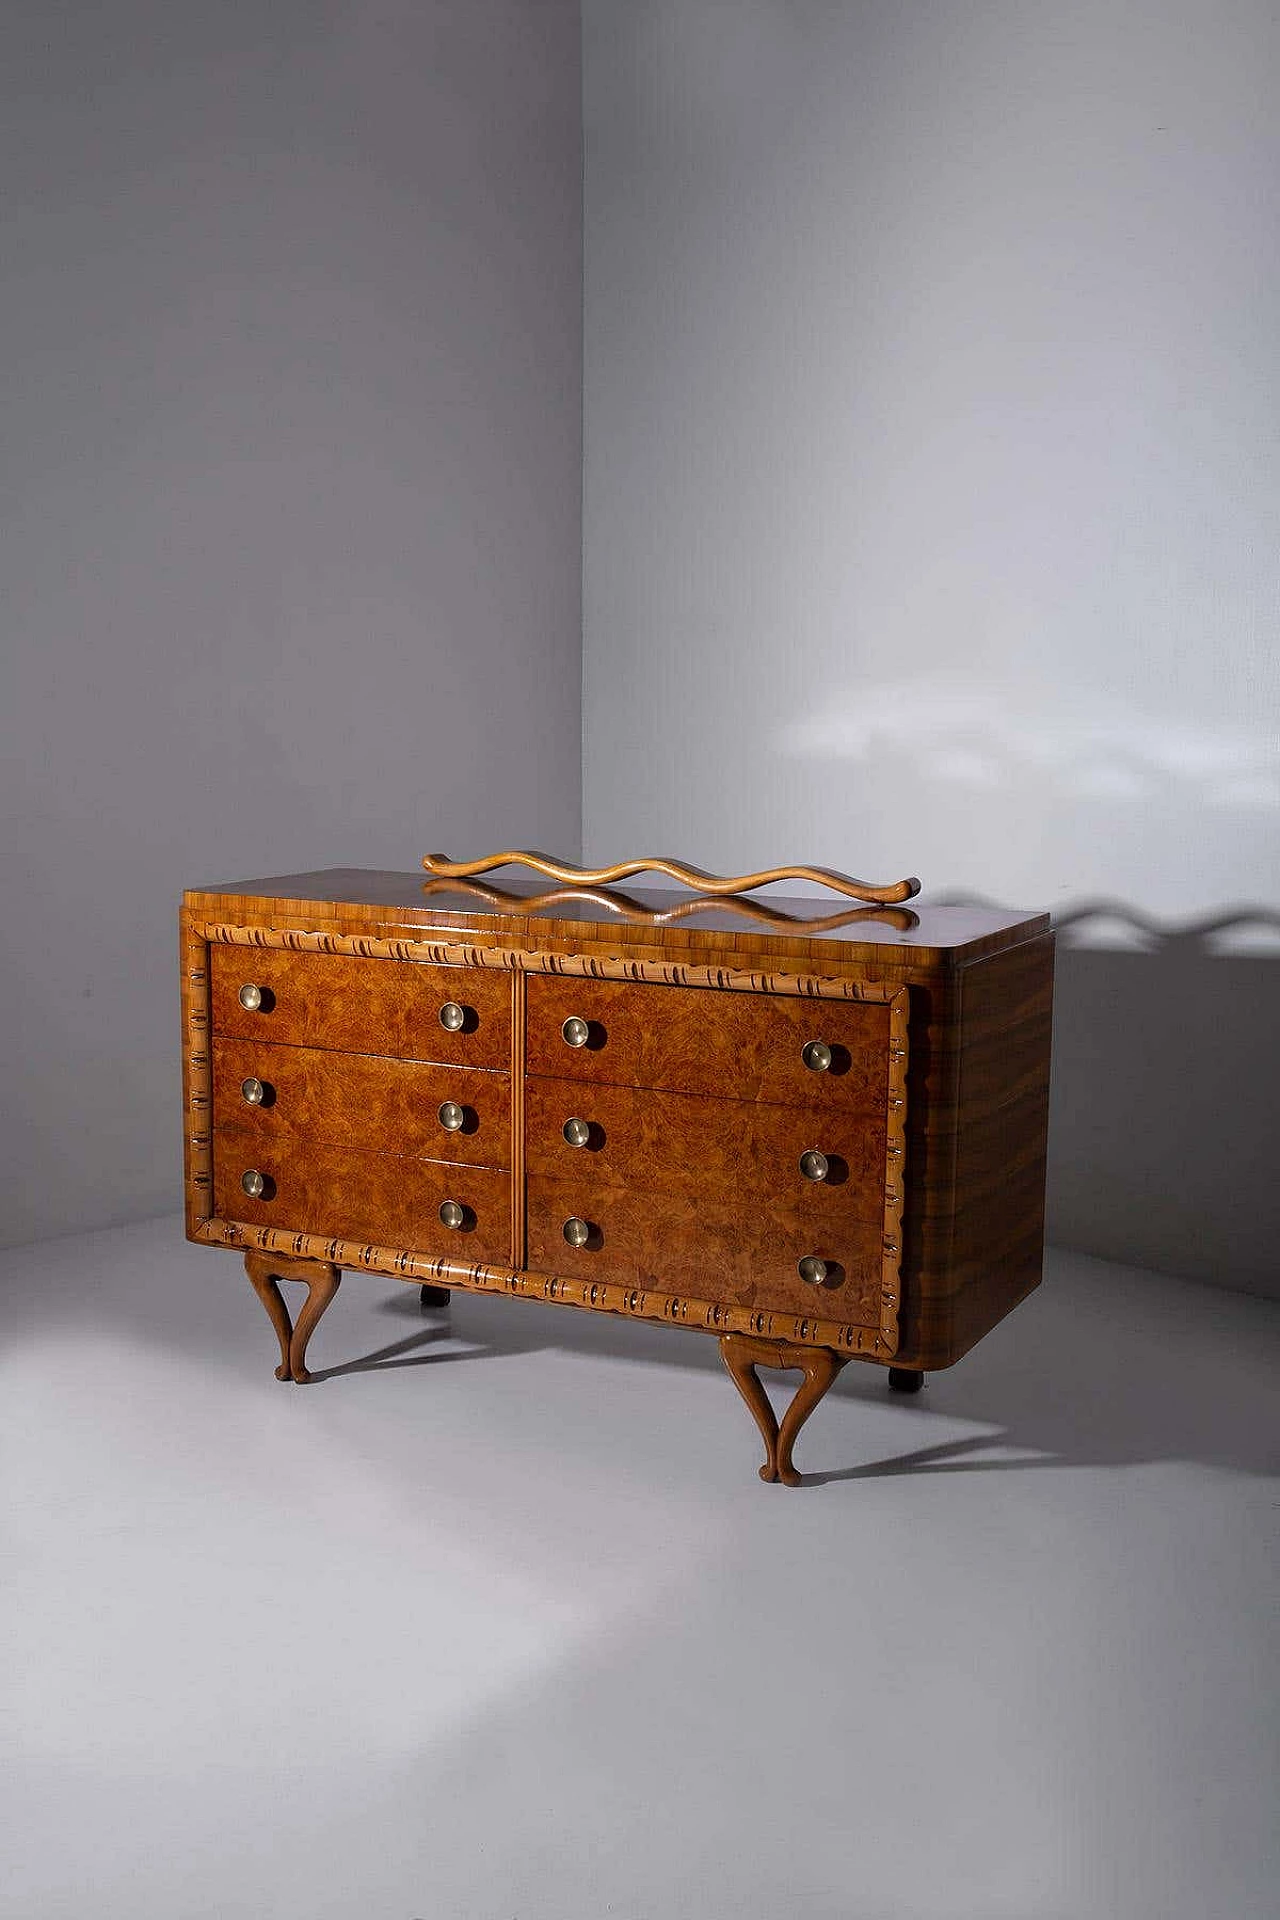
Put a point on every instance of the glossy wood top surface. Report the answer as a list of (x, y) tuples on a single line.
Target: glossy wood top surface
[(520, 908)]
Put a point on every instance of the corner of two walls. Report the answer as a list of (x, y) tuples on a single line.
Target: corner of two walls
[(930, 467)]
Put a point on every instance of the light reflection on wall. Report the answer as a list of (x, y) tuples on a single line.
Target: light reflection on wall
[(984, 737)]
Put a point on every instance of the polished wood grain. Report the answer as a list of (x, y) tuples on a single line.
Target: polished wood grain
[(352, 1195), (714, 1246), (362, 1100), (976, 1149), (321, 1277), (995, 1192), (358, 1005), (359, 904), (742, 1354), (693, 1144), (440, 865), (687, 1040)]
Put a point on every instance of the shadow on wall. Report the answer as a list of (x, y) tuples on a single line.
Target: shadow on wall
[(1164, 1142)]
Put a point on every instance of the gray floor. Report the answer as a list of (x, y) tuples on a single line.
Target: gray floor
[(496, 1619)]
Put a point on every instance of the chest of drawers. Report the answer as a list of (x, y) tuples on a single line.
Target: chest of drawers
[(817, 1136)]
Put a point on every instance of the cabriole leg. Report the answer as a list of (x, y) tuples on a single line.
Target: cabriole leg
[(265, 1271), (742, 1354)]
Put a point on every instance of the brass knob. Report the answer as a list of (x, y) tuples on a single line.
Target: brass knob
[(250, 997), (576, 1132), (253, 1092), (812, 1270), (816, 1055), (814, 1165), (452, 1017), (451, 1214), (575, 1032), (451, 1116), (253, 1183), (576, 1232)]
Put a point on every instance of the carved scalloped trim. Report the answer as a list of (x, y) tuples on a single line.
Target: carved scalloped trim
[(505, 959), (600, 1296)]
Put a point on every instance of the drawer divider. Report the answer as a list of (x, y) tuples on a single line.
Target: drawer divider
[(518, 1050)]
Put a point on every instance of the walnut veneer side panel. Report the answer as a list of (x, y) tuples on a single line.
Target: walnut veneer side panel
[(973, 1233), (998, 1242)]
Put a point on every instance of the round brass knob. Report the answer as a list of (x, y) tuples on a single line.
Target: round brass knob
[(576, 1132), (816, 1055), (253, 1091), (814, 1165), (452, 1017), (250, 997), (451, 1116), (812, 1270), (451, 1214), (576, 1232), (253, 1183), (575, 1032)]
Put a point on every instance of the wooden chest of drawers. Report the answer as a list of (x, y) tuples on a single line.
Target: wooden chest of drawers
[(818, 1136)]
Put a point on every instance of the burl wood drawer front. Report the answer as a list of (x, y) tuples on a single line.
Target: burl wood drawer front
[(742, 1046), (689, 1144), (381, 1198), (354, 1005), (277, 1094), (711, 1248)]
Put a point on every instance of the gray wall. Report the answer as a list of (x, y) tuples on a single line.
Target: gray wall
[(290, 543), (931, 475)]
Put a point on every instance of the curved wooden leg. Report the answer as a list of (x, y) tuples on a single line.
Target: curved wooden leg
[(262, 1277), (322, 1283), (742, 1371), (742, 1354), (820, 1367), (265, 1271)]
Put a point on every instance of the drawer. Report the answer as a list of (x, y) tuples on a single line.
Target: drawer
[(378, 1198), (741, 1046), (713, 1248), (353, 1005), (361, 1100), (689, 1144)]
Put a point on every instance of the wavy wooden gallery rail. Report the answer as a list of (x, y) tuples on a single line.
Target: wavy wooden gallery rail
[(623, 907), (443, 868)]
